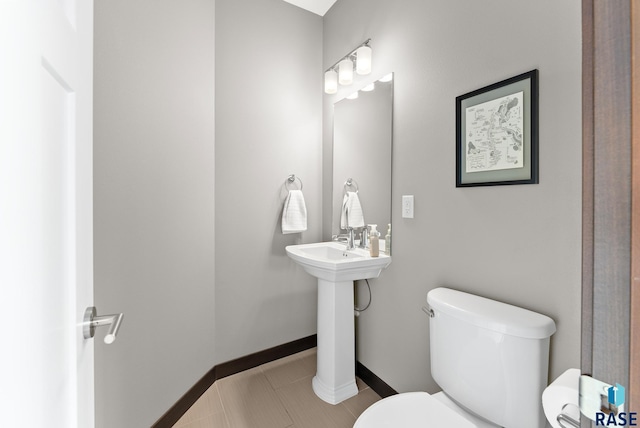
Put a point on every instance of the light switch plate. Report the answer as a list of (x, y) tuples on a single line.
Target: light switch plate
[(407, 206)]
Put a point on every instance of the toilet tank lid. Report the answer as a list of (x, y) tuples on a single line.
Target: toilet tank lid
[(490, 314)]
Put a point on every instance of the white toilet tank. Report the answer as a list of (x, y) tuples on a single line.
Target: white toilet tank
[(490, 357)]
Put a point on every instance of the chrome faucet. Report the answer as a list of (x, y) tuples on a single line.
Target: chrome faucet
[(364, 238), (351, 243), (347, 238), (343, 237)]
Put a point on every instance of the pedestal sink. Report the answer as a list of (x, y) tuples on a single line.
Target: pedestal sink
[(336, 268)]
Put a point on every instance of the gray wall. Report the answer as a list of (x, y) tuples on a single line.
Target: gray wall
[(157, 182), (268, 125), (518, 244), (154, 203)]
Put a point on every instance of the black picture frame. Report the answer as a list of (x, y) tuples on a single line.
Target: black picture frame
[(497, 133)]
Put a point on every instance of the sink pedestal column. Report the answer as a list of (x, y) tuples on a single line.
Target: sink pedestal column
[(335, 379), (336, 268)]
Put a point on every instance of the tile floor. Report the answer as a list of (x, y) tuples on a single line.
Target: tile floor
[(275, 395)]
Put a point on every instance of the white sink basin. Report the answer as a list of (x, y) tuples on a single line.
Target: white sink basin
[(330, 261)]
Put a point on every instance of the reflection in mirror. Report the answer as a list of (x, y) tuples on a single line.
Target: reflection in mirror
[(362, 141)]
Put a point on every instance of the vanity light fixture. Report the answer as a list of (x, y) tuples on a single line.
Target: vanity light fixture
[(331, 81), (345, 72), (387, 78), (342, 71), (363, 64), (353, 96)]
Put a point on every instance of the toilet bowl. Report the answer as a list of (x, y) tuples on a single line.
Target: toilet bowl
[(418, 409), (491, 360)]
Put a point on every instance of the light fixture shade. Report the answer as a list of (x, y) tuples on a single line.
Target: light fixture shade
[(353, 96), (331, 82), (370, 87), (345, 72), (387, 78), (363, 61)]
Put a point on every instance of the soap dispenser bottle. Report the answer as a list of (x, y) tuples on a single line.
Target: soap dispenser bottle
[(387, 241), (374, 241)]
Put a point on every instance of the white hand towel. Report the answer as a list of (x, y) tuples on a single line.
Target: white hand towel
[(352, 215), (355, 215), (294, 214)]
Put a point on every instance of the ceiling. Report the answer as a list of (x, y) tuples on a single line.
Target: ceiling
[(319, 7)]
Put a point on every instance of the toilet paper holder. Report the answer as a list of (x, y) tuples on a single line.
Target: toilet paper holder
[(597, 397), (567, 421)]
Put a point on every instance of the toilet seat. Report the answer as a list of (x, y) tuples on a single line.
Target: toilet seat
[(411, 409)]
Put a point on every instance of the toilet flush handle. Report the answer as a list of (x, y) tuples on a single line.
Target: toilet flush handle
[(91, 321), (428, 311)]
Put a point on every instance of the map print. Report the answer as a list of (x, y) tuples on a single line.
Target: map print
[(494, 134)]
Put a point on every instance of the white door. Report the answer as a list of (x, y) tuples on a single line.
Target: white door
[(46, 244)]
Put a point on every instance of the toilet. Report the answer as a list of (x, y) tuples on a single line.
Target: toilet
[(491, 360)]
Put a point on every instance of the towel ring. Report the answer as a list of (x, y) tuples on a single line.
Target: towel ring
[(351, 183), (291, 180)]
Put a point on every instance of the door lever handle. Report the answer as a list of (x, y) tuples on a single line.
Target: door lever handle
[(91, 321)]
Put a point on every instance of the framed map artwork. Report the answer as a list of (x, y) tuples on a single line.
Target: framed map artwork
[(497, 133)]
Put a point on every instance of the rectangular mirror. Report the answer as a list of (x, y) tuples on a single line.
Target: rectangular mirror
[(362, 143)]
